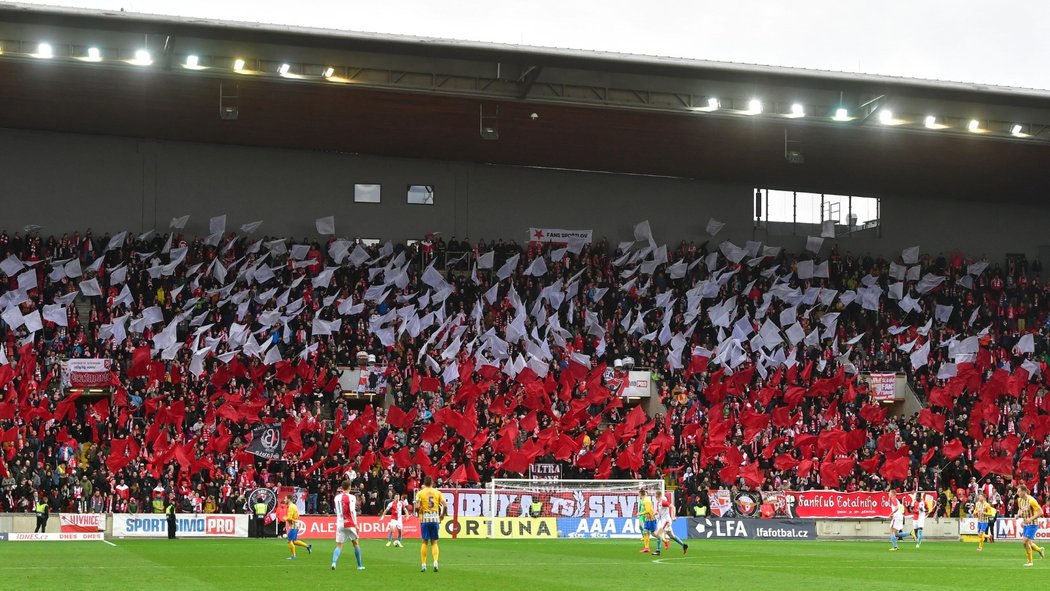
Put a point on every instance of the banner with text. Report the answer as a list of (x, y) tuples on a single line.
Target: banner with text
[(52, 537), (86, 373), (556, 503), (541, 471), (500, 527), (82, 522), (753, 529), (558, 235), (610, 528), (323, 527), (833, 504), (1006, 528), (187, 525), (883, 386)]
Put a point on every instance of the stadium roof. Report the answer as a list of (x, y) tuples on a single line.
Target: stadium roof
[(430, 98)]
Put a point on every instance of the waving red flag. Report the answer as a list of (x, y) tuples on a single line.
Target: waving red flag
[(930, 419)]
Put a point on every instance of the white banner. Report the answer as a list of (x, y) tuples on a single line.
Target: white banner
[(883, 386), (69, 537), (187, 525), (86, 373), (558, 235), (82, 522)]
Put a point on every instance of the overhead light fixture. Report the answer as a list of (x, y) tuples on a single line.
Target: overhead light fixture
[(44, 51), (93, 55), (142, 58), (192, 61), (885, 116), (754, 107), (238, 65), (284, 69), (797, 110), (1016, 130), (974, 125), (841, 114), (328, 72), (712, 104), (930, 122)]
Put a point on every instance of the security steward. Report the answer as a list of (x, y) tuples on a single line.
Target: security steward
[(536, 509), (260, 511), (42, 512), (169, 513)]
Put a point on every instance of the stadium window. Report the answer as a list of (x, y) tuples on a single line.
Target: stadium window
[(368, 193), (807, 208), (835, 207), (779, 206), (421, 195), (369, 241), (866, 210)]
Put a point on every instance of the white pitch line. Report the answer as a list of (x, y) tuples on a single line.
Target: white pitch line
[(108, 542)]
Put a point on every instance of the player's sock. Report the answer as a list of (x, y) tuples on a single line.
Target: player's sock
[(1028, 553), (300, 543), (357, 555), (645, 541), (435, 552), (400, 536), (980, 542), (893, 540), (423, 554), (335, 555), (677, 540), (918, 536), (291, 546)]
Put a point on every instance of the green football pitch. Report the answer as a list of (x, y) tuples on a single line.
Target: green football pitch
[(507, 565)]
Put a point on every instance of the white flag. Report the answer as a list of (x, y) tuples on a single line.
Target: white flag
[(90, 288), (814, 243), (326, 226), (251, 227), (217, 224), (486, 260), (179, 222), (117, 241), (910, 255), (714, 226), (827, 229)]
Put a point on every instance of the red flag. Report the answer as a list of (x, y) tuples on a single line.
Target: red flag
[(874, 414), (870, 465), (140, 359), (433, 433), (752, 475), (11, 435), (895, 469), (785, 462), (930, 419), (928, 455), (753, 423), (952, 449), (395, 417), (517, 462)]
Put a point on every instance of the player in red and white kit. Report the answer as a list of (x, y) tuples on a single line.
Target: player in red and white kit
[(396, 508), (665, 517), (346, 524)]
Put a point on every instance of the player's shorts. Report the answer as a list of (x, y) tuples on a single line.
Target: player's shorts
[(663, 525), (1030, 531), (982, 527), (345, 534), (293, 534), (649, 525), (897, 523), (919, 523), (394, 524), (429, 531)]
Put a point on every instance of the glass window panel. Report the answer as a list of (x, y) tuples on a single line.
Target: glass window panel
[(421, 194), (368, 193)]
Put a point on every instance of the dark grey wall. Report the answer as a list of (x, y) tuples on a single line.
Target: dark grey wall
[(67, 182)]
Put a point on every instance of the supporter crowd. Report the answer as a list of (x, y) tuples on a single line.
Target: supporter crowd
[(498, 355)]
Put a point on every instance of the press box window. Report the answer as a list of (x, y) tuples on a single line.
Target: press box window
[(368, 193), (421, 195)]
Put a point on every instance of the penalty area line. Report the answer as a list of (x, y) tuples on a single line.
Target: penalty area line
[(105, 541)]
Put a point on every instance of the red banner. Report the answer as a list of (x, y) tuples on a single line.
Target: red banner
[(323, 527), (832, 504)]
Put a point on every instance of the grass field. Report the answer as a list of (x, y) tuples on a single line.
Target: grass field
[(512, 565)]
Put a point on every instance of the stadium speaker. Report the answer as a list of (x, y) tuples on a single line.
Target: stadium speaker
[(793, 150), (758, 204)]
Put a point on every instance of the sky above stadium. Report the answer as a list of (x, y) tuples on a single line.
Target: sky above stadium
[(959, 40)]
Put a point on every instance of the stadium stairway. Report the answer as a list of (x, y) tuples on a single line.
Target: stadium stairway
[(83, 306)]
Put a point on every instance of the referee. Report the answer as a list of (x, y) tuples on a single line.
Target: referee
[(169, 512)]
